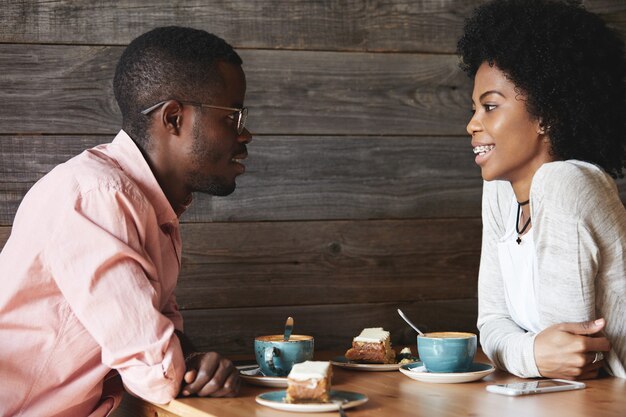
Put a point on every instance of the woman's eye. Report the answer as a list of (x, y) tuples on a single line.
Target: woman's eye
[(489, 107)]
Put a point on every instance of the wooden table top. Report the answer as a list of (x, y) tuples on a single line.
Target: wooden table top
[(393, 394)]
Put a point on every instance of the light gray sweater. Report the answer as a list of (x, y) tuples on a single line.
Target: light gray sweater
[(579, 230)]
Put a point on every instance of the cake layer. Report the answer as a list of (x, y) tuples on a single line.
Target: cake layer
[(309, 381)]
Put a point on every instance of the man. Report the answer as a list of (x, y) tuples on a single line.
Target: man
[(94, 291)]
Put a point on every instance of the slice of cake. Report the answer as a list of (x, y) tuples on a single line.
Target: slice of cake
[(373, 345), (309, 382)]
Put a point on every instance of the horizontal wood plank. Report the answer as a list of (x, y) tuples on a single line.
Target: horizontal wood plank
[(228, 265), (5, 231), (353, 25), (398, 25), (65, 89), (296, 178), (300, 263), (232, 331)]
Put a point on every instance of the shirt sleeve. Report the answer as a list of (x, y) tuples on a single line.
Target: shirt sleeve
[(172, 312), (101, 266), (509, 346)]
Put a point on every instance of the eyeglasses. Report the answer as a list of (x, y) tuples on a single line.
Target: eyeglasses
[(238, 115)]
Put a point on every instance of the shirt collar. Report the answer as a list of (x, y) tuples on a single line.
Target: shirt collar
[(133, 163)]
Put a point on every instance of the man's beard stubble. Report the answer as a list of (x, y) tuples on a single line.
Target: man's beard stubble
[(202, 155)]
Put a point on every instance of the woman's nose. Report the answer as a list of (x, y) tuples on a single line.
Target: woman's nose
[(473, 125)]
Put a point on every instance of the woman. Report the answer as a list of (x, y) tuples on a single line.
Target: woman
[(548, 130)]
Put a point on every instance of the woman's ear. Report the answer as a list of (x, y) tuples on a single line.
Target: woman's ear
[(542, 128)]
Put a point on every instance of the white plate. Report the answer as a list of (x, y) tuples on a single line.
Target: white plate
[(276, 399), (418, 371), (252, 375), (342, 362)]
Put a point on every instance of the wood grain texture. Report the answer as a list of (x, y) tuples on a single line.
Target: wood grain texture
[(65, 89), (296, 178), (232, 331), (230, 265), (4, 235), (303, 263), (352, 25), (399, 25), (393, 394)]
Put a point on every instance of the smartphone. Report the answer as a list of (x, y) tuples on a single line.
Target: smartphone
[(535, 387)]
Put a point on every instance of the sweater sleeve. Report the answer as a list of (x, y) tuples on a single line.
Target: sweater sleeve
[(509, 346), (582, 256)]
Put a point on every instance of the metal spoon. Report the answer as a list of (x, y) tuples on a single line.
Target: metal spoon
[(409, 322), (288, 328), (340, 403)]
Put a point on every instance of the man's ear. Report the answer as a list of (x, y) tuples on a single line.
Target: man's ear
[(171, 116)]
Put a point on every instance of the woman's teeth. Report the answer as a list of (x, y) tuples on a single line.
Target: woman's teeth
[(483, 149)]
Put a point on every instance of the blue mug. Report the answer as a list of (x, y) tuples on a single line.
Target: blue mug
[(276, 356), (447, 351)]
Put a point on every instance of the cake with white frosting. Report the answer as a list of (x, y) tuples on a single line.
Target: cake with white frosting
[(309, 382), (373, 345)]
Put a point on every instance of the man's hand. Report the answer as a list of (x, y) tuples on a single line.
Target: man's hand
[(568, 350), (210, 375)]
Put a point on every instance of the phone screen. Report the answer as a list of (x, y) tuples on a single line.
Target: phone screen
[(539, 384), (535, 387)]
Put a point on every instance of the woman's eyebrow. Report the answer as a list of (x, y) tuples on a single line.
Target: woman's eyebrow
[(486, 93)]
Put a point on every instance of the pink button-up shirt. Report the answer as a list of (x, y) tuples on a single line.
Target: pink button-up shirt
[(88, 277)]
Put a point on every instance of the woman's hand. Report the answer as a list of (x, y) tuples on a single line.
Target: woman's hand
[(568, 350), (210, 375)]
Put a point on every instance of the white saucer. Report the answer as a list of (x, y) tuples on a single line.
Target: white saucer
[(342, 362), (252, 375), (276, 399), (418, 372)]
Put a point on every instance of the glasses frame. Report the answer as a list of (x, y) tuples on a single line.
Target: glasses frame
[(242, 113)]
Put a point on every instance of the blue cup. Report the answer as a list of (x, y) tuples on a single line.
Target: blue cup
[(276, 356), (447, 352)]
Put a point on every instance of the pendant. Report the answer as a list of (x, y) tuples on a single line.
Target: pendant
[(518, 240)]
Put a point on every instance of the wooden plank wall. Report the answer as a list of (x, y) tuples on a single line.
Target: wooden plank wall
[(361, 194)]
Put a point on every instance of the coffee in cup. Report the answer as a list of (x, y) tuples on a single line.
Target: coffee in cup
[(276, 356), (447, 351)]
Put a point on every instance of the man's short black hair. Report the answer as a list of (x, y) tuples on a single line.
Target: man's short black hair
[(567, 62), (167, 63)]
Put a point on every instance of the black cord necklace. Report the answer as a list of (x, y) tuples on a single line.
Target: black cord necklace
[(521, 232)]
